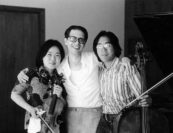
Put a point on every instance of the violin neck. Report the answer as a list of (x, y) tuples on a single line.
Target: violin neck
[(52, 104)]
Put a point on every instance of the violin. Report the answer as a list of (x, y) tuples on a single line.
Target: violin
[(52, 105)]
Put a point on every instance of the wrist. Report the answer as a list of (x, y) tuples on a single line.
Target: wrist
[(29, 108)]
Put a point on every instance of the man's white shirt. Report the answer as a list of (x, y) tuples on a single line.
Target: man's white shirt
[(82, 86)]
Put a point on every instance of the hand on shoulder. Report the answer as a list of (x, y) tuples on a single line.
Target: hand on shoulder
[(22, 77), (125, 60)]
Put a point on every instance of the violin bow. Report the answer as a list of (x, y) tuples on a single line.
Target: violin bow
[(150, 89), (46, 124), (39, 115)]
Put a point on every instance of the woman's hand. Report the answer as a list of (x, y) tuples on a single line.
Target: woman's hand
[(57, 90), (145, 101), (22, 77), (35, 111)]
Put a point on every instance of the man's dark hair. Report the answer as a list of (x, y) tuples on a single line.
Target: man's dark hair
[(113, 40), (76, 27), (44, 49)]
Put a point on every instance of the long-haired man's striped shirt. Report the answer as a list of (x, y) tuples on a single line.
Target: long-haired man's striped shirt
[(120, 84)]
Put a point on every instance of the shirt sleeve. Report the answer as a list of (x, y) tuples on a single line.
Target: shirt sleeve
[(133, 77), (95, 59), (19, 88)]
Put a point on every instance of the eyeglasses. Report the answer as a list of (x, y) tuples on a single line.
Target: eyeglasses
[(74, 39), (106, 45)]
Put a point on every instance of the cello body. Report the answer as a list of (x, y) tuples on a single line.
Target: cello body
[(142, 119), (130, 121)]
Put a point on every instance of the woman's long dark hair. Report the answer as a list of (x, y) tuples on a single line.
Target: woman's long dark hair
[(44, 49)]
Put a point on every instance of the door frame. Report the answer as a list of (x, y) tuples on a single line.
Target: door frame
[(39, 11)]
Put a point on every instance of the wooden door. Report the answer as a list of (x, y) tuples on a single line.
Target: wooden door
[(21, 34)]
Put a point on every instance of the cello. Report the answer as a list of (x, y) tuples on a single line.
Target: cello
[(142, 120)]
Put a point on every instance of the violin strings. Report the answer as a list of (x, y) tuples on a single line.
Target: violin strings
[(46, 124)]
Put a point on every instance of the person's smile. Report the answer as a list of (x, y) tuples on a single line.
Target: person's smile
[(76, 46)]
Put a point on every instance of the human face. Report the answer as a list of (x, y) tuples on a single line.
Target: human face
[(52, 58), (75, 42), (105, 49)]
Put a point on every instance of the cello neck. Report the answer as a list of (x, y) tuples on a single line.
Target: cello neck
[(145, 123), (141, 55)]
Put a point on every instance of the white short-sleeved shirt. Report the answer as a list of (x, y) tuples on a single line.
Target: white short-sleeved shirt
[(82, 86)]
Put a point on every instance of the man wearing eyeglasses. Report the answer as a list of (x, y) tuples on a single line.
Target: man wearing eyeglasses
[(81, 74), (119, 84), (80, 70)]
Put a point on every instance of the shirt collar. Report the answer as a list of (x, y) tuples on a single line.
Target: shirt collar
[(67, 65), (114, 62)]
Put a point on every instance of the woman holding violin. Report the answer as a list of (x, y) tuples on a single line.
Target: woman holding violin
[(45, 94), (119, 82)]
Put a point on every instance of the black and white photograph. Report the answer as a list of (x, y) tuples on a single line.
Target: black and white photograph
[(86, 66)]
